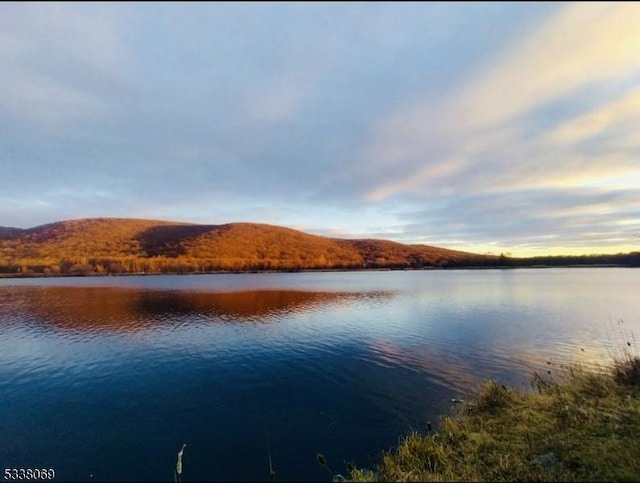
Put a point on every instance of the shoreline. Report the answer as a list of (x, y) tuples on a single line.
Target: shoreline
[(582, 427), (311, 270)]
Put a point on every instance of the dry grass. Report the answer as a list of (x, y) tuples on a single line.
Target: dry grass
[(583, 428)]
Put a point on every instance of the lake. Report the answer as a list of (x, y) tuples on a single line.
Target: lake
[(105, 378)]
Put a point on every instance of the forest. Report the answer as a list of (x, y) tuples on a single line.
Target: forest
[(125, 246), (110, 246)]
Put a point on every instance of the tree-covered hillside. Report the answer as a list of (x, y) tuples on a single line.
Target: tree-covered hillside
[(116, 245)]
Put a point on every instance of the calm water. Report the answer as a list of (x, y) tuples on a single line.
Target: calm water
[(105, 378)]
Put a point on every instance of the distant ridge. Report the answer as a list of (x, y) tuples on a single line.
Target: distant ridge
[(7, 232), (98, 246), (125, 245)]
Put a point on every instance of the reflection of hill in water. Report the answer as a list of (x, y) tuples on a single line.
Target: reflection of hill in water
[(116, 309)]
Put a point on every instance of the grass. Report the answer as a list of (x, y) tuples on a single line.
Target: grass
[(583, 427)]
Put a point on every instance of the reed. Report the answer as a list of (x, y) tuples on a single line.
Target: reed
[(177, 473), (582, 426)]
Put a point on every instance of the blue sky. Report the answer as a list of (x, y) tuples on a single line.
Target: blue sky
[(487, 127)]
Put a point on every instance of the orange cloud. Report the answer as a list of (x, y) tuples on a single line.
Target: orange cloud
[(478, 130)]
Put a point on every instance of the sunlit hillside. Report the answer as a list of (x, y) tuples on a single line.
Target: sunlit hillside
[(113, 245)]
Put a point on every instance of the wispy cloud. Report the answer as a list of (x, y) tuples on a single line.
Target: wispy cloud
[(499, 115), (57, 63), (416, 122), (581, 46), (553, 115), (621, 113)]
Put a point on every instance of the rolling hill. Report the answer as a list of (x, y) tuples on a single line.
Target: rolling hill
[(121, 245)]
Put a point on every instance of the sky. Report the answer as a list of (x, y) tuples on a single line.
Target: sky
[(486, 127)]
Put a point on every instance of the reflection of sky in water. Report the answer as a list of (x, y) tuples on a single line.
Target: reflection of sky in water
[(513, 313), (518, 315), (346, 365)]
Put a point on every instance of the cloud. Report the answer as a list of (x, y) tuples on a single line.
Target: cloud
[(279, 100), (44, 46), (335, 118), (521, 220), (621, 112), (582, 44), (538, 148), (500, 115)]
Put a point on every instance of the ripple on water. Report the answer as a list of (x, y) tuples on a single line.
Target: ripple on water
[(137, 369)]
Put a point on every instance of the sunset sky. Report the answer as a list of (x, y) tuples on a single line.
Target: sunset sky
[(486, 127)]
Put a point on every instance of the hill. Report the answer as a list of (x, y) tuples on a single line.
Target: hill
[(120, 245), (6, 231)]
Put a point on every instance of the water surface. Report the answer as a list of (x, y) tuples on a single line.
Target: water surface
[(105, 378)]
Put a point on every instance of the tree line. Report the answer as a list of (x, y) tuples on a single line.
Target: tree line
[(185, 264)]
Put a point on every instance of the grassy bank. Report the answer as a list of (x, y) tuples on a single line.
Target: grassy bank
[(584, 427)]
